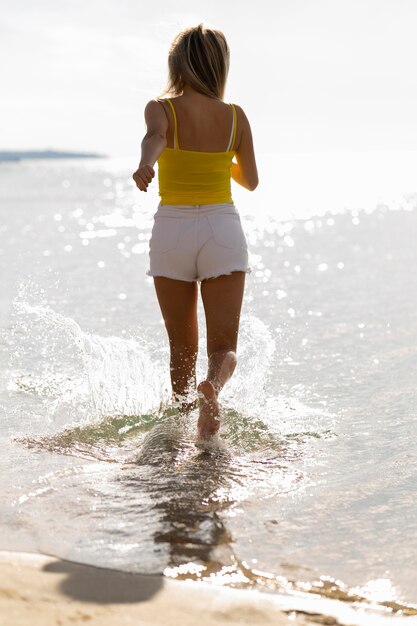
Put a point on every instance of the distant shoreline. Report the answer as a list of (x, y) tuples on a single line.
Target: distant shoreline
[(19, 155)]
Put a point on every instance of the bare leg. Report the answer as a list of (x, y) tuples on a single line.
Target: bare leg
[(222, 299), (178, 302), (221, 366)]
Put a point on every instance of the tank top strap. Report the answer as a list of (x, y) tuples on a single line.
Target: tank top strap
[(233, 131), (176, 143)]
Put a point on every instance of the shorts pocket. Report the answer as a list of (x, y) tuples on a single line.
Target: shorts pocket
[(227, 230), (165, 234)]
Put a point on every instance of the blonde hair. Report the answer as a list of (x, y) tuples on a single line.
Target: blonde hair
[(199, 57)]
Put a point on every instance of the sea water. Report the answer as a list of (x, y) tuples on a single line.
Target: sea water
[(312, 484)]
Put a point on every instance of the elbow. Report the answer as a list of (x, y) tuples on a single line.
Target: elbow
[(253, 180), (161, 137), (155, 136)]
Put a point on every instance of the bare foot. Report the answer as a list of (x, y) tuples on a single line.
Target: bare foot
[(208, 422)]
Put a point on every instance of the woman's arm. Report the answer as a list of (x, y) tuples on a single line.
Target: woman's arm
[(152, 144), (245, 172)]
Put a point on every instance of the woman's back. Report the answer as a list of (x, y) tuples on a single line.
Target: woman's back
[(203, 123)]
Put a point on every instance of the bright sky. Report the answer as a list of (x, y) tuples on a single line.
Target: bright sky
[(311, 75)]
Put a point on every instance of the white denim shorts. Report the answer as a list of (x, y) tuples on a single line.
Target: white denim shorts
[(197, 242)]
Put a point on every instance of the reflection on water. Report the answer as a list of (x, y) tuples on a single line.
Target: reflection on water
[(190, 492)]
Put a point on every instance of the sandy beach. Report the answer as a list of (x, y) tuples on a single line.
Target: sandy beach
[(37, 589)]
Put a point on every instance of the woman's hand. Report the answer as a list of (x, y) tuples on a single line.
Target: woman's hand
[(143, 176)]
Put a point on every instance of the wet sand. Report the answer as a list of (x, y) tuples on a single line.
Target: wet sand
[(37, 589)]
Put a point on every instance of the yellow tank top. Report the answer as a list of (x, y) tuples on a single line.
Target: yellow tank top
[(195, 177)]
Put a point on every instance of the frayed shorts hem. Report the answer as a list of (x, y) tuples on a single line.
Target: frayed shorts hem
[(227, 272)]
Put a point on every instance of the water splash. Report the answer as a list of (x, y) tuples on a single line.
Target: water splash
[(249, 385), (81, 376), (123, 378), (54, 356), (84, 382)]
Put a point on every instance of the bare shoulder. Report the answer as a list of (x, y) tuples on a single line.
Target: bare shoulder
[(155, 116), (244, 131), (154, 107), (241, 113)]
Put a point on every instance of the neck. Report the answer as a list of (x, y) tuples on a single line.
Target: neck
[(190, 92)]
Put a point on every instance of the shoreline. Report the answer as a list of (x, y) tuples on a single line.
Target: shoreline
[(39, 589)]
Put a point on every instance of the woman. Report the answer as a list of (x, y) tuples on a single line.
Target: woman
[(197, 235)]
